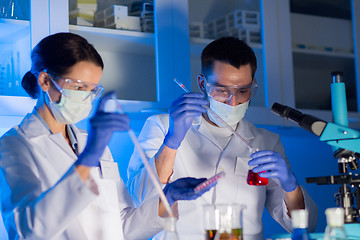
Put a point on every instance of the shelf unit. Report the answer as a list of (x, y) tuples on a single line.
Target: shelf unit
[(141, 66), (12, 30), (124, 53)]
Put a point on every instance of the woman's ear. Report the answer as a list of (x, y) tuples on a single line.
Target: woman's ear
[(44, 81), (201, 82)]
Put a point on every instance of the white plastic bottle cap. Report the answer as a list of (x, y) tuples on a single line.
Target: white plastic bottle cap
[(299, 218), (335, 216)]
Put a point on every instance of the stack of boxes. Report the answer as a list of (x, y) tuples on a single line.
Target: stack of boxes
[(119, 14), (116, 16), (82, 12), (196, 30), (145, 11), (244, 25)]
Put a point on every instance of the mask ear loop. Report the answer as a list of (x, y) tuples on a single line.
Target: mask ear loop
[(203, 87), (56, 85)]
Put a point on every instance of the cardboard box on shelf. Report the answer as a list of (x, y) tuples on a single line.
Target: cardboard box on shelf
[(114, 10), (123, 22), (83, 4), (103, 4), (81, 21), (84, 14)]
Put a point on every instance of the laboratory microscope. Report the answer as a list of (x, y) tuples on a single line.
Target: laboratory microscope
[(345, 143)]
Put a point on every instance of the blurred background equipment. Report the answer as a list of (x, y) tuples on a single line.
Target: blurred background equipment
[(345, 143)]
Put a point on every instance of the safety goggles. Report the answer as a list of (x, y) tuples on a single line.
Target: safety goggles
[(222, 93), (94, 90)]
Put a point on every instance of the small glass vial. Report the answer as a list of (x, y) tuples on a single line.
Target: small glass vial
[(300, 224), (170, 229), (335, 224)]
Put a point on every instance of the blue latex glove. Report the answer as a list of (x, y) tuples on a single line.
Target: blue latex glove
[(102, 126), (183, 189), (275, 166), (181, 114)]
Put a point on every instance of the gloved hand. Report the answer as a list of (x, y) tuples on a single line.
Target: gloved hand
[(102, 126), (183, 189), (181, 114), (275, 166)]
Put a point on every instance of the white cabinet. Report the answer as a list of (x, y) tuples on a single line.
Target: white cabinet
[(15, 46), (321, 45), (296, 53), (141, 66)]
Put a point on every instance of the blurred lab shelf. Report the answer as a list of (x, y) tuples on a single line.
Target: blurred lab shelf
[(323, 53), (15, 105), (115, 40), (322, 59), (198, 44), (13, 30)]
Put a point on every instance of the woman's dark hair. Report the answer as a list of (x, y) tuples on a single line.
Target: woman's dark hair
[(228, 50), (57, 53)]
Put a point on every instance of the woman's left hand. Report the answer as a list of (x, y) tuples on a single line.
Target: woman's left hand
[(102, 126)]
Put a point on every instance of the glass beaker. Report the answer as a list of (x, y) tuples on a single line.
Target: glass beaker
[(170, 229), (223, 221), (254, 179)]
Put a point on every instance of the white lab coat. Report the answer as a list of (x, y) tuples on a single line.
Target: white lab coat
[(43, 197), (199, 155)]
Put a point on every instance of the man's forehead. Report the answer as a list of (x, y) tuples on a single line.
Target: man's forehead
[(229, 75)]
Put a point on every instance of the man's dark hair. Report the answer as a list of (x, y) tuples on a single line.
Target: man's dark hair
[(227, 50)]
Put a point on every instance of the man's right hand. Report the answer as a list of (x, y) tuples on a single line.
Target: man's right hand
[(181, 114)]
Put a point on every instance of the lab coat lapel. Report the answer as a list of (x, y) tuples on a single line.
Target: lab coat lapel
[(53, 166), (81, 138), (203, 130), (236, 147), (60, 141)]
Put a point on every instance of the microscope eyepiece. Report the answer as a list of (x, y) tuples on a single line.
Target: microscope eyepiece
[(305, 121)]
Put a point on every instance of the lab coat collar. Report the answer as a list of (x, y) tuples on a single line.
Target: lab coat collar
[(244, 129), (200, 126), (34, 127)]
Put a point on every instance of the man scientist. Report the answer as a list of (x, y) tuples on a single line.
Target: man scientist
[(189, 141)]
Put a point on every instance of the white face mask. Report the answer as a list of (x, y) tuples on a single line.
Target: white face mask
[(230, 114), (71, 108)]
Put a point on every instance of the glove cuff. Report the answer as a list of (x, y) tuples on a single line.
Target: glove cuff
[(88, 160), (168, 196), (171, 143), (292, 185)]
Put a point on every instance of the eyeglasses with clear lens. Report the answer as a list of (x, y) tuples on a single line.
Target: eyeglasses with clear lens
[(95, 90), (221, 93)]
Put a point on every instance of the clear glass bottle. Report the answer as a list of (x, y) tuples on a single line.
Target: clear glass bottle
[(300, 224), (335, 224), (170, 229)]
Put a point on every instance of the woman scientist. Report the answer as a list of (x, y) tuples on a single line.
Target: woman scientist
[(57, 182)]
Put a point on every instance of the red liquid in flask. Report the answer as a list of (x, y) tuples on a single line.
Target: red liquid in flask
[(255, 180)]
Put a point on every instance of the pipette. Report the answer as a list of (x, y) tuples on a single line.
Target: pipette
[(219, 118), (209, 182), (146, 163)]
